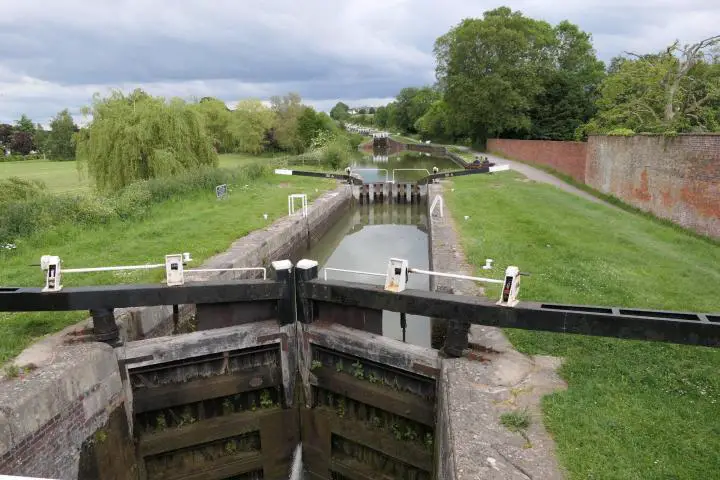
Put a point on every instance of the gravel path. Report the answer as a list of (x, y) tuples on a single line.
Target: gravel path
[(540, 176)]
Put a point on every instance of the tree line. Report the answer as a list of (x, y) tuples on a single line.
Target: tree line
[(25, 138), (509, 75), (138, 136)]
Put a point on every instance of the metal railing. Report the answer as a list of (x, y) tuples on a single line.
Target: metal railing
[(455, 275)]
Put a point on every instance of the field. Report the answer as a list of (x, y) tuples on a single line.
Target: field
[(633, 410), (198, 223), (64, 177)]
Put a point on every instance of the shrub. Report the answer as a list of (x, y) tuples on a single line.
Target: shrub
[(25, 206)]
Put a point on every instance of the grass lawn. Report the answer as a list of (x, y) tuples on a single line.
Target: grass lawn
[(633, 410), (199, 224), (58, 176), (63, 177)]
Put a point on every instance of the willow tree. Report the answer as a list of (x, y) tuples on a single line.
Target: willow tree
[(137, 136)]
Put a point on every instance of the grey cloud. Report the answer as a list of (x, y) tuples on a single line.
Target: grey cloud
[(55, 54)]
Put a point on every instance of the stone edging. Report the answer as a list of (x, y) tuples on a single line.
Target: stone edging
[(474, 393)]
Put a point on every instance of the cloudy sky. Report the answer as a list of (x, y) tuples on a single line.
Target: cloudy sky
[(56, 53)]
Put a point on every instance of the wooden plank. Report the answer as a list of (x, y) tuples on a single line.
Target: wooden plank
[(417, 360), (359, 432), (353, 474), (197, 344), (316, 442), (279, 437), (170, 395), (219, 469), (205, 431), (400, 403)]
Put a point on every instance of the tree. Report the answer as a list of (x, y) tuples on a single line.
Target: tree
[(6, 132), (60, 144), (40, 137), (252, 121), (436, 123), (381, 117), (217, 119), (371, 110), (340, 112), (137, 136), (25, 125), (285, 132), (411, 104), (662, 92), (570, 88), (492, 69), (22, 142)]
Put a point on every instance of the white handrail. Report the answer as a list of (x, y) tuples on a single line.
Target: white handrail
[(455, 275), (238, 269), (325, 270), (437, 200), (409, 170), (113, 269)]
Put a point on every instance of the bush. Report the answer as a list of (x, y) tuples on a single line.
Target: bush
[(26, 207)]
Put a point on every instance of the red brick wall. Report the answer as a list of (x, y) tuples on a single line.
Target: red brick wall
[(565, 157), (677, 178)]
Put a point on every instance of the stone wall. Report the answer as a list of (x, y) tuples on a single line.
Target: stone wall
[(566, 157), (676, 178), (49, 415)]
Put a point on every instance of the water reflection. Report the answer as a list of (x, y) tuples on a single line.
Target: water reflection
[(365, 239)]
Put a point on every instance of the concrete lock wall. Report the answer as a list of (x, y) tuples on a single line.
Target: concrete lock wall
[(675, 178), (64, 419)]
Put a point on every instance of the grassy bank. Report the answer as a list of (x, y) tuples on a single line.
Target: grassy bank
[(194, 222), (611, 199), (633, 410)]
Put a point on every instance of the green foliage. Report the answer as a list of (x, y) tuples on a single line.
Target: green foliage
[(218, 121), (358, 371), (137, 137), (266, 400), (24, 124), (315, 365), (27, 207), (677, 89), (516, 421), (287, 111), (493, 68), (12, 371), (621, 132), (340, 112), (252, 121), (60, 144)]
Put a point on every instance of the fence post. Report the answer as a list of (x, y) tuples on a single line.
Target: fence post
[(283, 272)]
